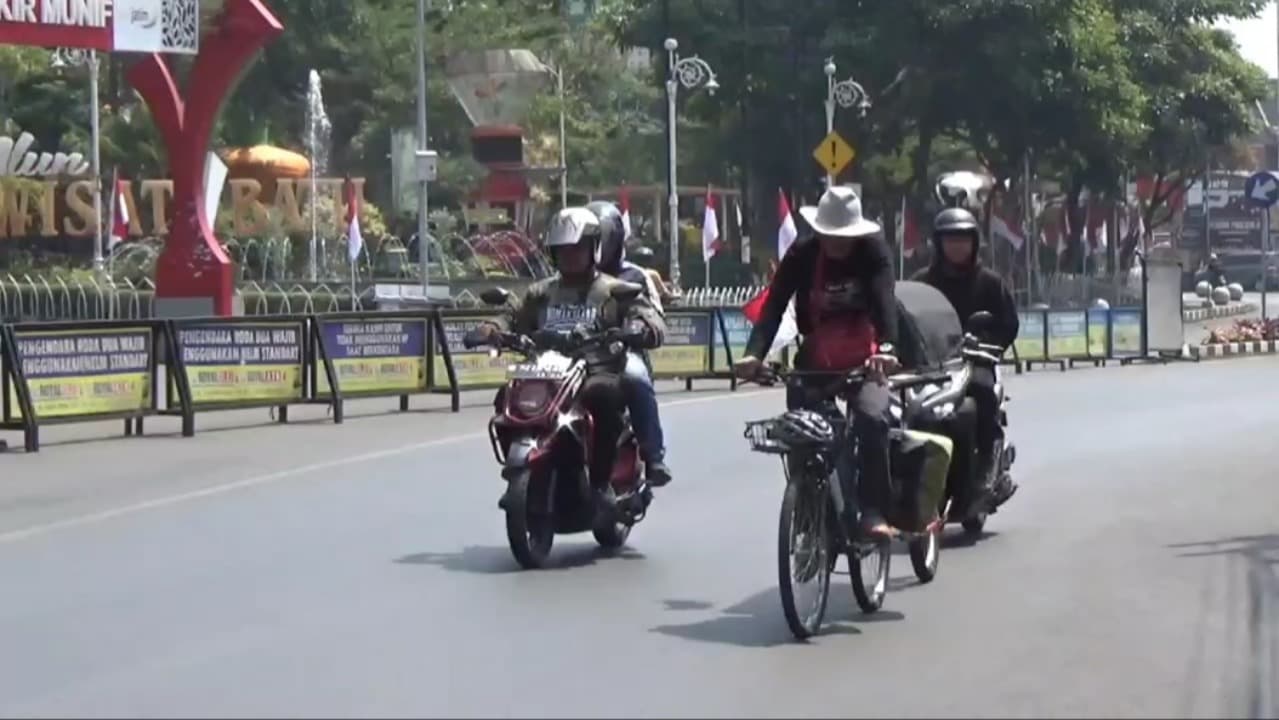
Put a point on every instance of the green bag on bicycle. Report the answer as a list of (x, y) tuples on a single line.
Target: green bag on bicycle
[(921, 461)]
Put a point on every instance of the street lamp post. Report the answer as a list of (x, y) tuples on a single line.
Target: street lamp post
[(846, 94), (691, 72), (422, 157), (558, 72), (79, 57)]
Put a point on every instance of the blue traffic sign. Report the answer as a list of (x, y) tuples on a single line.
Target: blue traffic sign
[(1262, 189)]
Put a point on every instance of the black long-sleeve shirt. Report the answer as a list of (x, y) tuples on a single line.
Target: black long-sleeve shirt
[(866, 277), (975, 290)]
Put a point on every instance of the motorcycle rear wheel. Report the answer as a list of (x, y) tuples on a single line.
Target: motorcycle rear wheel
[(530, 534), (610, 534), (804, 513)]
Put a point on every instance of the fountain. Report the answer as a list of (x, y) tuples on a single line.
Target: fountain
[(318, 131)]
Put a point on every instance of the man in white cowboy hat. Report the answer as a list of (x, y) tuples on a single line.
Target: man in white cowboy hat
[(841, 278)]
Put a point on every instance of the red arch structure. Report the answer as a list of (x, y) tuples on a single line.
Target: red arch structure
[(193, 275)]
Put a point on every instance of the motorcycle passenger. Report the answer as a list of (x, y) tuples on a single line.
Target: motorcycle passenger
[(580, 294), (842, 283), (957, 272), (637, 378)]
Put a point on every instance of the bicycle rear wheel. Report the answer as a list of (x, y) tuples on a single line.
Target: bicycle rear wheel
[(805, 557)]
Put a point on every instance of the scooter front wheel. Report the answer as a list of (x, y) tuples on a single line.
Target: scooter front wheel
[(530, 530)]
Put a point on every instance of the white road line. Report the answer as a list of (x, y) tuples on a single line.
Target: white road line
[(269, 478)]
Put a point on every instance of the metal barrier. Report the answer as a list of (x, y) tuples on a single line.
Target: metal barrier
[(1066, 337), (65, 372)]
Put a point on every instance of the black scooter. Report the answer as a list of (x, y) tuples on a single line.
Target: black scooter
[(945, 408)]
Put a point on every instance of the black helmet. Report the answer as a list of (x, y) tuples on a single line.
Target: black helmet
[(642, 256), (612, 245), (803, 427), (571, 226), (956, 220)]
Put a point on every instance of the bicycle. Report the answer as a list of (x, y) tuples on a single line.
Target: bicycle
[(811, 534)]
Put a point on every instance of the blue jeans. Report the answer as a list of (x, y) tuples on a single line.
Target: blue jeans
[(641, 400)]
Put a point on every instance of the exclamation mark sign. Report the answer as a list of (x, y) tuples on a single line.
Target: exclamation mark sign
[(833, 156)]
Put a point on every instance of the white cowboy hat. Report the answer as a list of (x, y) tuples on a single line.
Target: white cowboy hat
[(839, 214)]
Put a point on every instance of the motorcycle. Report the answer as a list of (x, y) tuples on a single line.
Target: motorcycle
[(944, 407), (542, 437)]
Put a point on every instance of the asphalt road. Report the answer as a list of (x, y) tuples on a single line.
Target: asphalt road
[(361, 570)]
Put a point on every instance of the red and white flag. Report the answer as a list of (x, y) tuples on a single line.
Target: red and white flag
[(624, 199), (710, 229), (119, 215), (354, 240), (786, 231), (999, 227)]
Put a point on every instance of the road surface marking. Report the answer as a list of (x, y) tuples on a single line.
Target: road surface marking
[(274, 477)]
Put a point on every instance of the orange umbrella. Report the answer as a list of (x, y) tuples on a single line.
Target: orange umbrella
[(266, 164)]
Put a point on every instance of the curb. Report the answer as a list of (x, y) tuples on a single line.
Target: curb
[(1235, 349), (1218, 311)]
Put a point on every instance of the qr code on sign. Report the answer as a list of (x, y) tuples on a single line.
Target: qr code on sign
[(181, 19)]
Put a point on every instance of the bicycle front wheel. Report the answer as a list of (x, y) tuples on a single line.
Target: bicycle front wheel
[(805, 546)]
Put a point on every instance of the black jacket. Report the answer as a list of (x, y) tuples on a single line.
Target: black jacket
[(975, 290), (871, 268)]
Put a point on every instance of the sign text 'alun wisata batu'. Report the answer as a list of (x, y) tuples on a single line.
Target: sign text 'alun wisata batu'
[(48, 207)]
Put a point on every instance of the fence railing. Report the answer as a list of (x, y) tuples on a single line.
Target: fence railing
[(135, 366)]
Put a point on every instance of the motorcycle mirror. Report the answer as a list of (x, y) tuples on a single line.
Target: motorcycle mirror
[(495, 296), (980, 321)]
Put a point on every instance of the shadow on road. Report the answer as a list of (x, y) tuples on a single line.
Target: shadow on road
[(952, 539), (1260, 557), (493, 560), (757, 621)]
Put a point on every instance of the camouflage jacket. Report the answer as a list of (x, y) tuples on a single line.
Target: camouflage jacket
[(550, 305)]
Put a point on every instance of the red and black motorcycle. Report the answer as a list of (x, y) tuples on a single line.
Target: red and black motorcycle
[(543, 438)]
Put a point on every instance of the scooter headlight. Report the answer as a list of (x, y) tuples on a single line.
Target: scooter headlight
[(529, 398)]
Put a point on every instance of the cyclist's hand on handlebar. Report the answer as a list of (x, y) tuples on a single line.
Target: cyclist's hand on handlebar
[(748, 368), (881, 366)]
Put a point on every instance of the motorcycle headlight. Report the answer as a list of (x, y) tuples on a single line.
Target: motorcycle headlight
[(530, 399)]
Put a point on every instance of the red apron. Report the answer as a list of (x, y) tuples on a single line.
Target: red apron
[(840, 339)]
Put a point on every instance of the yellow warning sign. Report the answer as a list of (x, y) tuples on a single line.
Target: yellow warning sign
[(834, 154)]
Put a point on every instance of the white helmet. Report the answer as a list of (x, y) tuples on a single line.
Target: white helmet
[(963, 189)]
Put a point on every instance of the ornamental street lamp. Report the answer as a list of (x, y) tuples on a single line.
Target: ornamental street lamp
[(691, 73)]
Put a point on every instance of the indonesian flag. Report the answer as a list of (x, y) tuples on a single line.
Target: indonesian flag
[(999, 227), (354, 240), (710, 229), (120, 215), (786, 232), (624, 199)]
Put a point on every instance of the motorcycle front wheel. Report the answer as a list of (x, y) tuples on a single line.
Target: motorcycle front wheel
[(530, 530), (805, 546)]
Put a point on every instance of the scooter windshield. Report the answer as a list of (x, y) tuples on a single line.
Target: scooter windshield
[(930, 330)]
